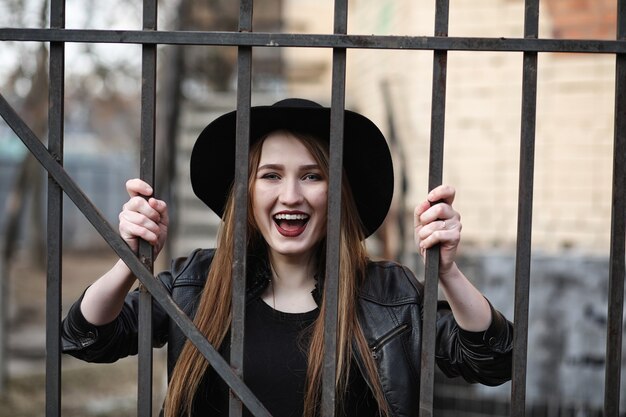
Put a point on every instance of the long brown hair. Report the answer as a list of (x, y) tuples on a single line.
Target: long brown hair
[(213, 317)]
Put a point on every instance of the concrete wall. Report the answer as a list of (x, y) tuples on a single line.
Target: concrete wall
[(567, 322)]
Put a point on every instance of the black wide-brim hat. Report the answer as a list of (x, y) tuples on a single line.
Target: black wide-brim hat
[(366, 156)]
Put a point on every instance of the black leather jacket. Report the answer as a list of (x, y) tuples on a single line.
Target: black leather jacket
[(390, 311)]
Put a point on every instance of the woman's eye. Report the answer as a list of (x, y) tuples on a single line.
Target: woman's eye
[(270, 176), (313, 177)]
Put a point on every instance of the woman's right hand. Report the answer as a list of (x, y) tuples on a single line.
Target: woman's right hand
[(143, 217)]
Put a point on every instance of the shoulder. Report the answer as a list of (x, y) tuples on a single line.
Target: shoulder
[(192, 269), (388, 282)]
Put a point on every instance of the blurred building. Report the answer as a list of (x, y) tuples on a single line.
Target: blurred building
[(575, 106)]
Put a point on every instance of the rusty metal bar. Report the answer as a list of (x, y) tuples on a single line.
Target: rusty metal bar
[(331, 282), (614, 340), (524, 216), (262, 39), (56, 95), (146, 173), (316, 41), (114, 240), (435, 176), (242, 147)]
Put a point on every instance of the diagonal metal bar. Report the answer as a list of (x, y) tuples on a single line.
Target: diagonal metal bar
[(54, 280), (158, 291), (262, 39), (524, 216), (331, 282), (617, 262), (146, 172), (242, 148), (435, 177)]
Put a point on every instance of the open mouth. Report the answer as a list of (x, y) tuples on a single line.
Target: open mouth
[(291, 224)]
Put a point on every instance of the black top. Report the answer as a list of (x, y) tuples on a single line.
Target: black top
[(275, 357), (275, 351)]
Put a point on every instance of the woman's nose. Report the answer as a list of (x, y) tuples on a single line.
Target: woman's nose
[(291, 192)]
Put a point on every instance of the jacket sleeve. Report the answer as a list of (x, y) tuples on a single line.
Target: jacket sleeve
[(115, 340), (484, 357)]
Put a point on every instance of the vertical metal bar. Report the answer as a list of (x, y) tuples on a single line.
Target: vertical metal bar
[(242, 148), (431, 273), (146, 172), (331, 283), (55, 216), (524, 216), (618, 235)]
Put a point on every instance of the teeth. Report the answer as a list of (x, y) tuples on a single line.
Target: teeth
[(291, 217)]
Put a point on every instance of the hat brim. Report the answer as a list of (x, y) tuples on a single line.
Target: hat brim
[(366, 156)]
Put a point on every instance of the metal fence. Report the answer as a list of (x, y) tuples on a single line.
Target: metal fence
[(339, 41)]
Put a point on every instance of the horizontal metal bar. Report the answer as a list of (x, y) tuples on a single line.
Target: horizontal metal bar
[(260, 39), (156, 288)]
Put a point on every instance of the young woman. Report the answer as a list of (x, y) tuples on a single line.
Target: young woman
[(380, 303)]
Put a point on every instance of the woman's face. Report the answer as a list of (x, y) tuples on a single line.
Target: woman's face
[(289, 196)]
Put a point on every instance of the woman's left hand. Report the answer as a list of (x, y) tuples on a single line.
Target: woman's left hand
[(436, 222)]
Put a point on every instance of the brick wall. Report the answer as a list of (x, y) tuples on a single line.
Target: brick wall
[(582, 19)]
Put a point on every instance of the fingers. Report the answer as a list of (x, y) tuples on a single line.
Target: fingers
[(419, 210), (440, 231), (432, 213), (135, 225), (152, 209), (141, 217), (136, 187), (435, 220), (443, 193), (161, 208)]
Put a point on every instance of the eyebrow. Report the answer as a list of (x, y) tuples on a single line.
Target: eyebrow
[(280, 166)]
